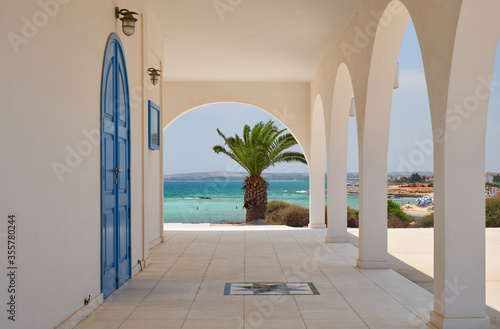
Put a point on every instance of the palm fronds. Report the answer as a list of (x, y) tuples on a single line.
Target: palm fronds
[(261, 147)]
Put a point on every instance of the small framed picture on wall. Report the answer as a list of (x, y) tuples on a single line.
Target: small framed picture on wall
[(154, 126)]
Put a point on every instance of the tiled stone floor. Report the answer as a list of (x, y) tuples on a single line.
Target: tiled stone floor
[(184, 286)]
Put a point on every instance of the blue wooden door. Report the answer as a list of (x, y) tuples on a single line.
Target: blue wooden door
[(115, 169)]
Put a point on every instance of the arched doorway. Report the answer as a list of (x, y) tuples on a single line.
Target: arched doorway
[(115, 169), (203, 187)]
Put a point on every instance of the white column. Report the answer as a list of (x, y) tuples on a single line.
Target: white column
[(459, 233), (317, 195), (337, 158), (373, 113), (317, 167), (372, 207), (337, 201)]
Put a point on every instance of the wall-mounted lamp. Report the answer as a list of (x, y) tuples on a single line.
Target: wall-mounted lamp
[(396, 78), (128, 20), (352, 110), (154, 74)]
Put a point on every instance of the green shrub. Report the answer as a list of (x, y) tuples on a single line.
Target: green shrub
[(273, 212), (326, 216), (295, 216), (282, 213), (493, 212), (352, 217), (394, 210), (426, 221), (396, 217), (396, 222)]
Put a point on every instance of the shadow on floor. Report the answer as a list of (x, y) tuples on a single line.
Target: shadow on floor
[(424, 281)]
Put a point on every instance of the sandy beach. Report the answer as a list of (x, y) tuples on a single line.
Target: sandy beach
[(416, 211), (405, 191), (418, 192)]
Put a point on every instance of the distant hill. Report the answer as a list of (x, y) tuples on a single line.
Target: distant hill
[(408, 173), (239, 176), (232, 176)]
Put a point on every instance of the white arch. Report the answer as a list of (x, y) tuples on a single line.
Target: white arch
[(258, 108), (287, 101), (337, 156), (317, 166), (459, 88), (373, 117)]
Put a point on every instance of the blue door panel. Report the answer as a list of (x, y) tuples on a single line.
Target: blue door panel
[(122, 115), (109, 223), (123, 249), (115, 166), (122, 159), (109, 95), (108, 167), (123, 245)]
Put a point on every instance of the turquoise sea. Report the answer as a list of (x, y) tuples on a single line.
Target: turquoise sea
[(220, 202)]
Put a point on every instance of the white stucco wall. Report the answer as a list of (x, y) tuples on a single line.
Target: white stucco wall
[(49, 98), (153, 184), (289, 102)]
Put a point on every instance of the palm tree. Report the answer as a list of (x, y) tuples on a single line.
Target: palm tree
[(262, 146)]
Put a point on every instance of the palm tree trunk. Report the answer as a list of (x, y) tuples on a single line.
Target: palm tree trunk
[(255, 198)]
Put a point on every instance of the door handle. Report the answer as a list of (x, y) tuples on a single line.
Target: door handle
[(117, 170)]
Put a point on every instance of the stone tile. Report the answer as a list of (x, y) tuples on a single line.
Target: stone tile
[(218, 306), (214, 314), (329, 314), (184, 286), (158, 314), (180, 297), (381, 314), (219, 298), (111, 314), (259, 321), (335, 324), (152, 324), (274, 314), (395, 324), (92, 323), (213, 324), (165, 304), (264, 306)]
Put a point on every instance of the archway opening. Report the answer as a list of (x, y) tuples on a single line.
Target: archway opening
[(340, 156), (410, 156), (492, 190), (352, 160), (203, 187), (492, 154), (410, 161)]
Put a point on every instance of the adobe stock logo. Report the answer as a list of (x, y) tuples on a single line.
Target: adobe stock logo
[(223, 7), (30, 28)]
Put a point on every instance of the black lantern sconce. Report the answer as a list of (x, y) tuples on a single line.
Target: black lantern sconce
[(154, 74), (128, 20)]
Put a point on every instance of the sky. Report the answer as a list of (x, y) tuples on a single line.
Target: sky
[(188, 141)]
